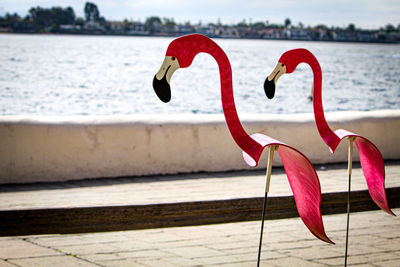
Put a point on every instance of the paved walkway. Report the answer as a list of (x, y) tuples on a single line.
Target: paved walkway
[(374, 235), (374, 241)]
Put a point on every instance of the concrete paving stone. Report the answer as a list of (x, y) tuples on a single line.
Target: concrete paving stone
[(241, 251), (18, 248), (285, 245), (88, 249), (288, 236), (293, 261), (6, 264), (212, 231), (130, 245), (80, 239), (121, 263), (309, 253), (213, 261), (338, 261), (358, 249), (285, 227), (145, 254), (364, 265), (367, 239), (376, 231), (179, 261), (101, 257), (265, 255), (207, 241), (371, 258), (184, 243), (364, 259), (232, 246), (393, 247), (389, 263), (150, 263), (169, 261), (241, 264), (201, 237), (59, 261), (193, 252), (160, 236), (390, 234)]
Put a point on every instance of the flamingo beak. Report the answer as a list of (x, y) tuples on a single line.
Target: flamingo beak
[(270, 82), (161, 81)]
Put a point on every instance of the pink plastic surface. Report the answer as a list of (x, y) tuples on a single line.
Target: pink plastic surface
[(370, 158)]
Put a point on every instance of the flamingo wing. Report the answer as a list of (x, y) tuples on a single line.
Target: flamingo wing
[(303, 181), (372, 166)]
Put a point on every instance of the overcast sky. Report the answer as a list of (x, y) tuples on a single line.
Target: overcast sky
[(368, 14)]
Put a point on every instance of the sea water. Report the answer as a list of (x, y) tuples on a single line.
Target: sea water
[(107, 75)]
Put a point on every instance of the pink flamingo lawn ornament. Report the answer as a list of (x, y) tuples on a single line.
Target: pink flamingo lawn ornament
[(370, 157), (301, 174)]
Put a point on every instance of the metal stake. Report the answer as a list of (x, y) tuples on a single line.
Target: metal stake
[(350, 167), (268, 180)]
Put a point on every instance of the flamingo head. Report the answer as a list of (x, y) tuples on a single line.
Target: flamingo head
[(180, 54), (286, 64)]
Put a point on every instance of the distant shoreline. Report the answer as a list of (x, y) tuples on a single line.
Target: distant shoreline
[(214, 37)]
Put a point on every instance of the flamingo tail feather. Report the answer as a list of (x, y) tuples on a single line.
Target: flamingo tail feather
[(303, 181), (374, 171), (306, 189)]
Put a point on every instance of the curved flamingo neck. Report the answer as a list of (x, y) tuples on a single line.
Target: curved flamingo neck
[(329, 137), (201, 44)]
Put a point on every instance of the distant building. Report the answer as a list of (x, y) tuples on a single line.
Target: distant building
[(226, 32), (296, 34), (271, 33), (366, 36), (208, 30), (5, 29), (320, 34), (346, 35), (137, 28), (70, 27), (117, 27), (249, 32), (93, 26), (182, 29)]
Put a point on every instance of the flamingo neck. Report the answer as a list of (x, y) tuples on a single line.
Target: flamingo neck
[(243, 140), (329, 137)]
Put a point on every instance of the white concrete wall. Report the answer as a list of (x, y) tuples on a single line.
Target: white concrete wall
[(67, 148)]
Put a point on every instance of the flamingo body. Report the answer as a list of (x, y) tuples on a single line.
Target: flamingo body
[(370, 158), (302, 176)]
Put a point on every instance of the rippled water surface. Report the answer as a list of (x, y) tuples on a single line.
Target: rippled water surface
[(103, 75)]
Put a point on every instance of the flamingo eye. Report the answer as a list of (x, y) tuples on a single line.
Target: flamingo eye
[(173, 58)]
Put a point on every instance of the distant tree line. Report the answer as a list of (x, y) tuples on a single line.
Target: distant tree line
[(49, 19)]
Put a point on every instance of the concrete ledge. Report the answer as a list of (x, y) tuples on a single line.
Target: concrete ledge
[(68, 148)]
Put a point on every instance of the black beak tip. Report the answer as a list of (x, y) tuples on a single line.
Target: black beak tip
[(162, 89), (269, 88)]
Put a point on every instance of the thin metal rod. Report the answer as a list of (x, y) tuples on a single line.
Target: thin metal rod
[(350, 167), (268, 180), (262, 229)]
